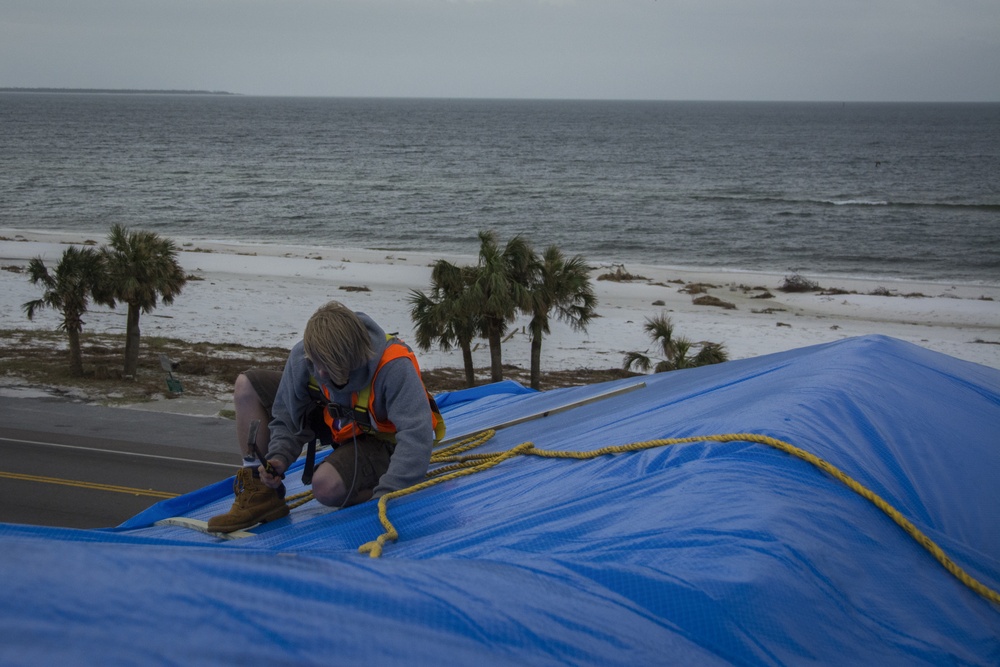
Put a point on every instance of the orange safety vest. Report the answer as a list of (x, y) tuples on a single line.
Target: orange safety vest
[(361, 419)]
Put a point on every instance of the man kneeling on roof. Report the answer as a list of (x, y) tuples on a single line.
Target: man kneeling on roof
[(348, 384)]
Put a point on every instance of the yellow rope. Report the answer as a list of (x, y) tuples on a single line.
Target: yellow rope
[(442, 454), (465, 445), (89, 485), (299, 499), (374, 549), (471, 464)]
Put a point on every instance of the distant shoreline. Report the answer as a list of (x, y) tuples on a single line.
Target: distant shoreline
[(115, 91)]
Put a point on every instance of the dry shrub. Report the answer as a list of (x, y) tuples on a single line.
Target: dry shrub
[(620, 275), (709, 300), (697, 288), (797, 283)]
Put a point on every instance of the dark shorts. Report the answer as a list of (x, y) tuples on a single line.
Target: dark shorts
[(369, 460), (265, 383)]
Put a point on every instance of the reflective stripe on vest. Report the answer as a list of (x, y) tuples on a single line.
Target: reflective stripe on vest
[(362, 415)]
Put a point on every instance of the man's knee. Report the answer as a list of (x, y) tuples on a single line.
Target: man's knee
[(328, 486), (243, 389), (256, 387)]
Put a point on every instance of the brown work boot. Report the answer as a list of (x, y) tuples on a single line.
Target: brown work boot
[(255, 503)]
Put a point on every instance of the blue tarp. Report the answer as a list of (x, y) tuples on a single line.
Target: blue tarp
[(702, 553)]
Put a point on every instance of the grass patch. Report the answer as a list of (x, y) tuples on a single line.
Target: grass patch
[(41, 359)]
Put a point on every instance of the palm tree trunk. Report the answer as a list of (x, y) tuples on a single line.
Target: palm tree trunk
[(132, 342), (75, 353), (470, 368), (496, 356), (536, 357)]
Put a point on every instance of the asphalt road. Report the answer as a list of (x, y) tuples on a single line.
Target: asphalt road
[(79, 466)]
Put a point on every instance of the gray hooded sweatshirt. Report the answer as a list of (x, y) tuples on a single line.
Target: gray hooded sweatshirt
[(398, 397)]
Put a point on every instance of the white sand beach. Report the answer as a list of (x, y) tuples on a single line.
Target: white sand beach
[(262, 295)]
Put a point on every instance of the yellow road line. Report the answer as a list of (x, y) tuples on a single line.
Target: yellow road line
[(88, 485)]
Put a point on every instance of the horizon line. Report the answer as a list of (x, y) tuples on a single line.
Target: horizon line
[(182, 91)]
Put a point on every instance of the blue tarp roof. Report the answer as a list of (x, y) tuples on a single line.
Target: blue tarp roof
[(700, 553)]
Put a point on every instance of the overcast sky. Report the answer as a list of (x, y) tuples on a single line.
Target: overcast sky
[(840, 50)]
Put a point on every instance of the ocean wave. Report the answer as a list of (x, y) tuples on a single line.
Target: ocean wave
[(851, 201), (968, 206), (614, 183), (856, 202)]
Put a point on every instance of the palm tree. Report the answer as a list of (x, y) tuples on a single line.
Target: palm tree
[(711, 353), (68, 289), (502, 287), (661, 331), (682, 357), (142, 268), (562, 286), (447, 316), (676, 351)]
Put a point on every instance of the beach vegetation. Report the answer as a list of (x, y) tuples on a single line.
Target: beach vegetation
[(797, 283), (141, 270), (675, 352), (36, 359), (620, 274), (697, 288), (483, 300), (561, 287), (709, 300), (502, 288), (448, 316), (68, 289)]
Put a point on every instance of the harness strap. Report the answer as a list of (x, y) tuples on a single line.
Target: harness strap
[(360, 418)]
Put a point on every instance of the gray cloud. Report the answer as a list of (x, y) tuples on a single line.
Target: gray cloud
[(632, 49)]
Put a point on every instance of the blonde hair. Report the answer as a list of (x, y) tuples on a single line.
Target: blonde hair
[(336, 339)]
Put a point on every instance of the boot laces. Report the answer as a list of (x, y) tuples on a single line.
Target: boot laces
[(240, 485)]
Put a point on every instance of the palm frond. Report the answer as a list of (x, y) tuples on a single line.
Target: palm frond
[(637, 361)]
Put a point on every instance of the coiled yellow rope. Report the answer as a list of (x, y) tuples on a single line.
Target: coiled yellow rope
[(461, 466)]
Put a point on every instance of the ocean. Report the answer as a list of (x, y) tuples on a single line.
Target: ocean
[(905, 191)]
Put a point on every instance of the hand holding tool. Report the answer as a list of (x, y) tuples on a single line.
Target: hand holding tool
[(252, 447)]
